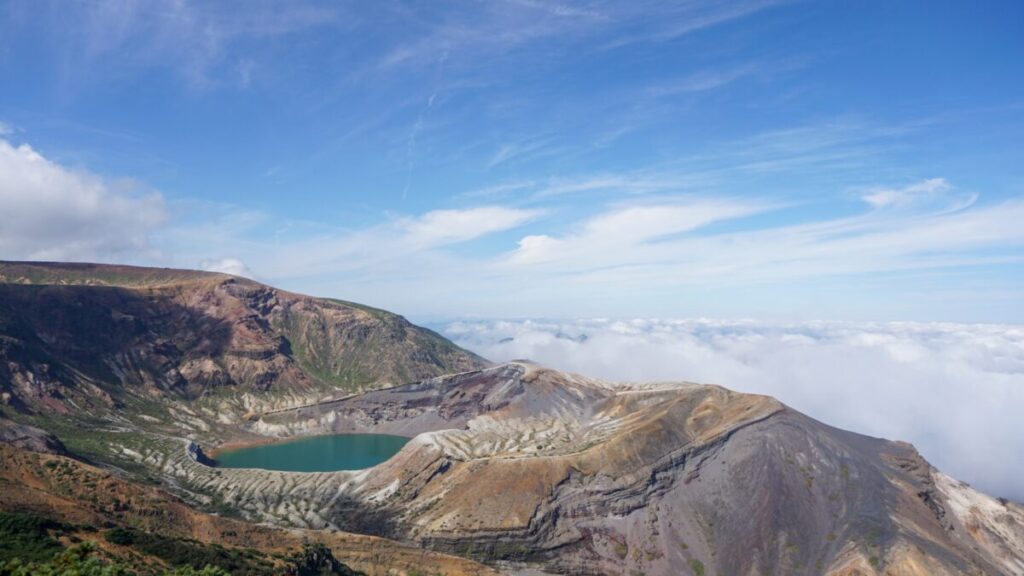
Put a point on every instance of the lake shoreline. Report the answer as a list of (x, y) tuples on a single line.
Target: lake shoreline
[(314, 453)]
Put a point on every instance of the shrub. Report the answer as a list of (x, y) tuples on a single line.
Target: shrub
[(75, 561), (27, 537)]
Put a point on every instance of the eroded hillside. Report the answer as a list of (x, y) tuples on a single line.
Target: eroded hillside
[(106, 337), (536, 467), (90, 502), (140, 370)]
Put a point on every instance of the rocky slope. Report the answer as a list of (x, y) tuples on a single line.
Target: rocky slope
[(76, 494), (97, 337), (514, 465), (532, 466)]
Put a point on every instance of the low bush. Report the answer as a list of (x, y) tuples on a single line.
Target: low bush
[(27, 537)]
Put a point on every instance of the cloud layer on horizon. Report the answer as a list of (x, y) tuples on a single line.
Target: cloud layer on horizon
[(953, 390)]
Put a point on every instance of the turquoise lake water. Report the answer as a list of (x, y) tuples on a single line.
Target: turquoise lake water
[(316, 454)]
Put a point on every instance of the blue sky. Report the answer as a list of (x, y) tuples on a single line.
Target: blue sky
[(776, 160)]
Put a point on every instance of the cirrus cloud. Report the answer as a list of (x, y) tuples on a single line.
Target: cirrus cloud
[(923, 225), (624, 231)]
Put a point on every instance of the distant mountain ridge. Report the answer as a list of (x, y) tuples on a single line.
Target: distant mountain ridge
[(100, 332)]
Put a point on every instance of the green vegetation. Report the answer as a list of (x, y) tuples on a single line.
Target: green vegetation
[(82, 560), (31, 546), (375, 312), (26, 537), (697, 566), (75, 561), (181, 552), (93, 275), (85, 560)]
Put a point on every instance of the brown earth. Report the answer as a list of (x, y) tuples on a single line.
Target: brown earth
[(69, 491)]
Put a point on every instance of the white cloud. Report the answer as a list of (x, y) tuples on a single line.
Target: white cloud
[(662, 255), (50, 212), (621, 233), (201, 41), (506, 27), (497, 190), (916, 193), (404, 247), (651, 250), (630, 183), (227, 266), (674, 20), (934, 227), (954, 390), (638, 223), (703, 81), (527, 148), (440, 227)]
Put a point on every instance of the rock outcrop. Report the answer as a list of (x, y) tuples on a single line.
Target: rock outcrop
[(30, 438)]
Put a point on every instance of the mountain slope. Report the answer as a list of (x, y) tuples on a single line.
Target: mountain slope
[(97, 334), (523, 464), (73, 494), (140, 369)]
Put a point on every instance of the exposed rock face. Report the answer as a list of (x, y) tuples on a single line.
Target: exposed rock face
[(96, 334), (29, 438), (519, 463), (512, 463)]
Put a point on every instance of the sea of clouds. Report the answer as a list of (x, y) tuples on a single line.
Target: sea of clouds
[(956, 391)]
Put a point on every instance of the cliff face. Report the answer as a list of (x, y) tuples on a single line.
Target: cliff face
[(95, 334)]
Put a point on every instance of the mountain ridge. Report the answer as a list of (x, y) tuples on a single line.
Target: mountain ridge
[(514, 465), (194, 334)]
